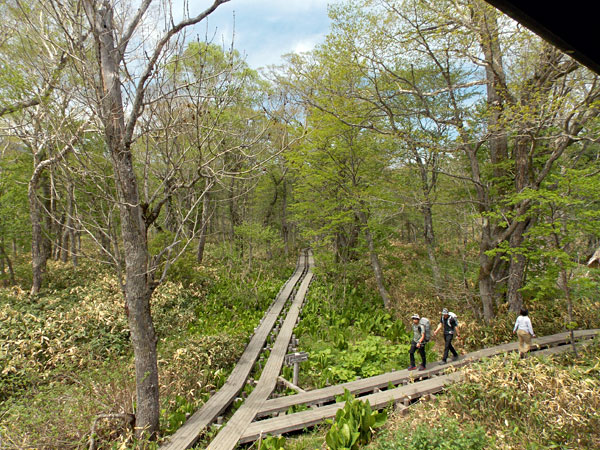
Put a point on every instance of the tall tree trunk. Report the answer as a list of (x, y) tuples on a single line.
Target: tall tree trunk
[(517, 260), (119, 136), (428, 184), (485, 279), (75, 245), (203, 226), (6, 258), (489, 39), (38, 247), (485, 19), (233, 209), (48, 214), (516, 271), (486, 292), (430, 244), (138, 277), (565, 287), (273, 202), (68, 227), (65, 242), (284, 224), (375, 264)]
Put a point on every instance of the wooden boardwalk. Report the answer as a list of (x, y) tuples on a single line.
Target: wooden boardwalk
[(405, 393), (378, 400), (358, 387), (231, 433), (401, 386), (188, 434)]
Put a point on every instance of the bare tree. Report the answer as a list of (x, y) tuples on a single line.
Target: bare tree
[(112, 36), (168, 128)]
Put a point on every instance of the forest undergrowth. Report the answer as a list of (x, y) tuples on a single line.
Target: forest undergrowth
[(349, 324), (66, 358), (509, 404)]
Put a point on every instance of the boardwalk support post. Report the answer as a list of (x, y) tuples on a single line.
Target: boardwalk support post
[(295, 359), (296, 373)]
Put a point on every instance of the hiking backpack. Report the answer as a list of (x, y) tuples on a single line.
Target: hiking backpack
[(425, 328), (453, 316)]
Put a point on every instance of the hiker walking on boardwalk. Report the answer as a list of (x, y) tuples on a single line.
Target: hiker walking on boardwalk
[(450, 324), (524, 331), (421, 333)]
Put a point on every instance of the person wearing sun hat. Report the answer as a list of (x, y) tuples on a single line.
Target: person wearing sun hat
[(450, 325), (418, 343)]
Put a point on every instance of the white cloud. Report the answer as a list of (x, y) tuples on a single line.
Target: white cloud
[(287, 6), (264, 29), (307, 44)]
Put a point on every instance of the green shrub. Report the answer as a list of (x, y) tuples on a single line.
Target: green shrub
[(354, 424), (272, 443), (445, 435), (348, 334)]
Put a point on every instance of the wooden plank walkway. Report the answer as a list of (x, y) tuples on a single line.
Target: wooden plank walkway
[(188, 434), (328, 394), (378, 400), (230, 434)]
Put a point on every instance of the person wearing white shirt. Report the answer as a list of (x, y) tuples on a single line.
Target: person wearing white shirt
[(524, 330)]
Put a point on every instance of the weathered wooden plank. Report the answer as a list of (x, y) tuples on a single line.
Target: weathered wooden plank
[(230, 434), (304, 419), (216, 404), (358, 387), (290, 385)]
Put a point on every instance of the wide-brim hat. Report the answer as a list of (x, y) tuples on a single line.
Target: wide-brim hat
[(445, 311), (415, 316)]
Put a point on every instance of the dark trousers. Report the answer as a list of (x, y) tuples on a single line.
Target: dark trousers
[(413, 349), (448, 339)]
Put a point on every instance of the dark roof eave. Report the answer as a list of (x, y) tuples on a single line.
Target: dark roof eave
[(568, 29)]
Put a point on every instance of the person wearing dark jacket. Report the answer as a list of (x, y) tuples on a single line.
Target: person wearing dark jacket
[(450, 329)]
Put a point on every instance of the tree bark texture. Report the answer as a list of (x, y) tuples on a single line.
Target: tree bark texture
[(284, 223), (516, 271), (138, 278), (375, 264), (430, 244), (567, 292), (203, 226), (6, 258), (486, 22), (39, 254)]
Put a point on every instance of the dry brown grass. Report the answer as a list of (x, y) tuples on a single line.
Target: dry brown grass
[(536, 403)]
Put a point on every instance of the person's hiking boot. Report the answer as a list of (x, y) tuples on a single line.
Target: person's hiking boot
[(422, 367), (456, 358), (412, 368), (444, 361)]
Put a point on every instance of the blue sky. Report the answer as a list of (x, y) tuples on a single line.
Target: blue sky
[(266, 29)]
